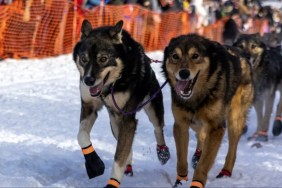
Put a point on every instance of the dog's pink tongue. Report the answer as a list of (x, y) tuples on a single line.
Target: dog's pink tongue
[(96, 89), (180, 86)]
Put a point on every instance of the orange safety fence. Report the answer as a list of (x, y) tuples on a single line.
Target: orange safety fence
[(44, 28)]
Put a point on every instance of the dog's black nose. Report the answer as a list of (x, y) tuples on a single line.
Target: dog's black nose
[(184, 74), (89, 81)]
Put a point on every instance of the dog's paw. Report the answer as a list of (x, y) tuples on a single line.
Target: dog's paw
[(277, 126), (128, 171), (94, 165), (196, 158), (163, 154), (179, 179), (223, 173), (260, 136), (112, 183), (177, 183)]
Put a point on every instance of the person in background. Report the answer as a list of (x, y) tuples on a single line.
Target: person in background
[(5, 2)]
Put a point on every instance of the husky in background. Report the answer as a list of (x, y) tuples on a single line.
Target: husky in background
[(267, 74), (210, 87), (116, 73)]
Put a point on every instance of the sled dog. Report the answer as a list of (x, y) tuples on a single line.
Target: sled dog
[(267, 74), (116, 73), (210, 87)]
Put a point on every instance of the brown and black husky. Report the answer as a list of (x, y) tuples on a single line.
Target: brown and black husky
[(210, 86), (116, 73)]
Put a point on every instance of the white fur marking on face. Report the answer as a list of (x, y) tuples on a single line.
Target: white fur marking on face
[(79, 67), (115, 72)]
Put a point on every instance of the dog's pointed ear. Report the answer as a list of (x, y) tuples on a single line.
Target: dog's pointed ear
[(116, 31), (86, 28), (117, 28)]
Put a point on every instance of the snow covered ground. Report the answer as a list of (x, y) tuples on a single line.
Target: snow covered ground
[(39, 118)]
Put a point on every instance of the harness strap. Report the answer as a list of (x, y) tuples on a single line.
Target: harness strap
[(139, 107)]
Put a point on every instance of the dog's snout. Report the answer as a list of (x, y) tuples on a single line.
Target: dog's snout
[(89, 81), (184, 74)]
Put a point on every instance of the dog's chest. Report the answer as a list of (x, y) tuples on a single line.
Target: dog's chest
[(115, 101)]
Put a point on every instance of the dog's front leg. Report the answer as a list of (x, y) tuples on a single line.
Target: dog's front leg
[(127, 127), (94, 165), (214, 135), (201, 136), (181, 137), (115, 130)]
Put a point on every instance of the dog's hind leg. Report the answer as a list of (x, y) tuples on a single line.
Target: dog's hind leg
[(277, 125), (236, 119), (155, 112), (126, 126), (115, 130), (94, 165)]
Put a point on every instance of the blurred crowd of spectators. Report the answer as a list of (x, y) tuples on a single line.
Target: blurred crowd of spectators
[(204, 12), (5, 2)]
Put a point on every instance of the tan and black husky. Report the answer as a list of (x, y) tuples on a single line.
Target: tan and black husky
[(116, 73), (210, 86)]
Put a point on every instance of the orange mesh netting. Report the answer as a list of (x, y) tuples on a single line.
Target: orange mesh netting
[(43, 28)]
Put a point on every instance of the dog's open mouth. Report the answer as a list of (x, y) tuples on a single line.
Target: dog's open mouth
[(184, 88), (97, 89)]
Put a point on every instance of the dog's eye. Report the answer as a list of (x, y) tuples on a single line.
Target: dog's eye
[(195, 56), (83, 59), (103, 59), (253, 46), (175, 56)]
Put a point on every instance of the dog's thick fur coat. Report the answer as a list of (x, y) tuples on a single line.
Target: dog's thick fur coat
[(114, 71), (210, 87)]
